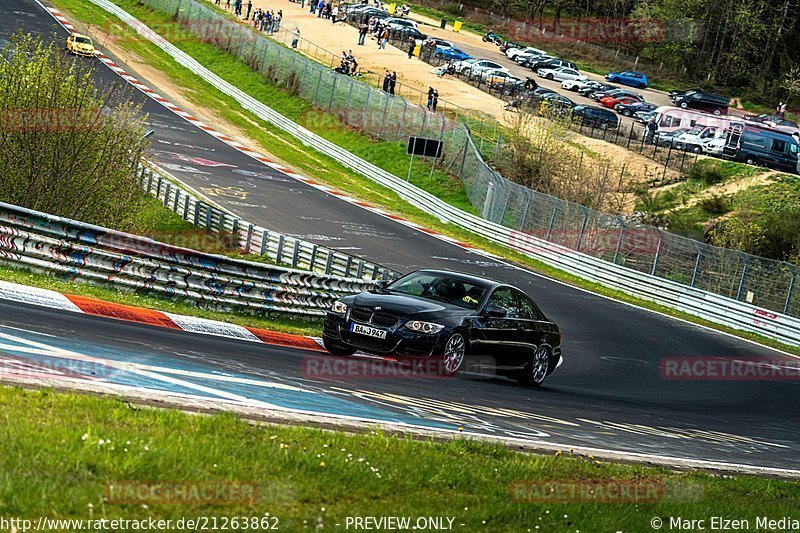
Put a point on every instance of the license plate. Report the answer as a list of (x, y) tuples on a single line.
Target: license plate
[(369, 331)]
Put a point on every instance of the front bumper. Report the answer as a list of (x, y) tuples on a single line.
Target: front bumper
[(399, 340)]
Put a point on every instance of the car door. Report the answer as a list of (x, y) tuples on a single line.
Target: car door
[(501, 337)]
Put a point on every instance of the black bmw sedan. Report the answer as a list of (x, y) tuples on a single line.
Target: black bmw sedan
[(438, 314)]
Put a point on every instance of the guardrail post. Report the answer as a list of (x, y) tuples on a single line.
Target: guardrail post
[(658, 253), (196, 218), (619, 242), (177, 200), (158, 185), (313, 260), (186, 200), (552, 218), (295, 253), (360, 270), (222, 219), (329, 262), (209, 214), (149, 181), (264, 240), (166, 194), (744, 275), (249, 238), (281, 242), (348, 265), (790, 293), (696, 265)]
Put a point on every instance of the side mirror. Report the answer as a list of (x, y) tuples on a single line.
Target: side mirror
[(380, 286), (493, 311)]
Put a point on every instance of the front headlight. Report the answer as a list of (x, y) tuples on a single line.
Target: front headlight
[(339, 307), (424, 327)]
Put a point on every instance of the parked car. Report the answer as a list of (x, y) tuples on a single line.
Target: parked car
[(759, 145), (667, 139), (553, 63), (771, 120), (450, 54), (628, 77), (438, 42), (715, 146), (450, 317), (501, 79), (525, 58), (511, 53), (673, 95), (528, 99), (410, 33), (616, 93), (711, 103), (612, 101), (473, 67), (396, 23), (694, 140), (561, 74), (643, 117), (555, 105), (595, 116), (589, 90), (577, 85), (629, 109)]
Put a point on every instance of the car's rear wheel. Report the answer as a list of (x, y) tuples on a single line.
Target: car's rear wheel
[(455, 354), (536, 372), (337, 348), (626, 112), (550, 76)]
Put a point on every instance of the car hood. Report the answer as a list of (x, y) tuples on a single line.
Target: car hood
[(400, 304)]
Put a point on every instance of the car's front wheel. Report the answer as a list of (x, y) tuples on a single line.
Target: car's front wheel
[(537, 370), (455, 354), (337, 348)]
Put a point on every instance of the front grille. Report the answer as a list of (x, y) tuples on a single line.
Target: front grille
[(361, 315), (384, 319), (371, 343)]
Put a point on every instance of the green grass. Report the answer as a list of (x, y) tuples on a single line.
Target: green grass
[(308, 161), (61, 451), (24, 276)]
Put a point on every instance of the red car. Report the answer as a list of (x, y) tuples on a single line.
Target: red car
[(611, 101)]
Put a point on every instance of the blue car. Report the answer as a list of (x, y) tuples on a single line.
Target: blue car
[(451, 54), (628, 77)]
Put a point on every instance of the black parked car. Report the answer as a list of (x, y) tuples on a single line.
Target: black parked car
[(409, 33), (628, 110), (596, 117), (451, 316), (711, 103), (589, 90)]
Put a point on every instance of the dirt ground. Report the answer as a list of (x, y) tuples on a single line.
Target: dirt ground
[(417, 74)]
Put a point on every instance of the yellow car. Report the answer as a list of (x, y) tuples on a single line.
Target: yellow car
[(80, 45)]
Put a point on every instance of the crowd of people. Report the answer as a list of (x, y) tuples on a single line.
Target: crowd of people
[(348, 65), (375, 27)]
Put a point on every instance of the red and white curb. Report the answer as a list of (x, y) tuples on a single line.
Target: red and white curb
[(79, 304), (254, 154)]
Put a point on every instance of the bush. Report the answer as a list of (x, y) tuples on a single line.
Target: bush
[(452, 9), (715, 205), (67, 148), (707, 172)]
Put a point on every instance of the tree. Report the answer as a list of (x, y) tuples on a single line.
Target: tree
[(67, 147)]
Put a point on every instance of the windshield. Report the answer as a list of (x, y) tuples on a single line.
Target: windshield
[(440, 288), (83, 40)]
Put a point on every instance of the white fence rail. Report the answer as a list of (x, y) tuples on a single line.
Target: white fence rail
[(707, 305)]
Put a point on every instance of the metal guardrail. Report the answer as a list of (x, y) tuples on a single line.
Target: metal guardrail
[(277, 248), (692, 266), (75, 250)]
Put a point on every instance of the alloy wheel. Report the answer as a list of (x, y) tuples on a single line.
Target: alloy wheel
[(454, 352), (540, 364)]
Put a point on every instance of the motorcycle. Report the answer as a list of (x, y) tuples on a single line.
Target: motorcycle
[(492, 37)]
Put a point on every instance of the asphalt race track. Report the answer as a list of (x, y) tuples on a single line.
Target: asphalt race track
[(607, 394)]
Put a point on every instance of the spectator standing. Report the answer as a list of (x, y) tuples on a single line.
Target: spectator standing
[(652, 128), (320, 8), (430, 98), (237, 7), (302, 4), (295, 37), (392, 82), (334, 14), (362, 33), (386, 79), (384, 38), (411, 48), (313, 5), (278, 19), (435, 101), (227, 4), (216, 2), (249, 9)]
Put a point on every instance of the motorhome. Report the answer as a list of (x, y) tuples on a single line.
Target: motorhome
[(757, 144), (671, 118)]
